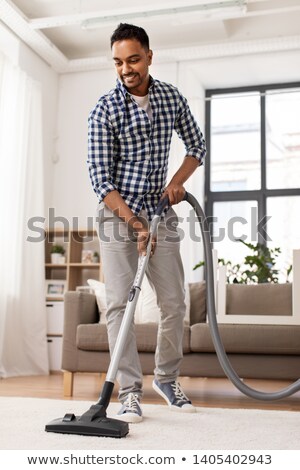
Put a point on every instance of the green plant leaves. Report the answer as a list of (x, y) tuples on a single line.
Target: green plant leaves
[(257, 268)]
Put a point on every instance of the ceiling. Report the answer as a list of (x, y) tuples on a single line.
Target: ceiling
[(73, 35)]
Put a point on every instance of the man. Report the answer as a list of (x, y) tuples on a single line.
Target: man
[(130, 132)]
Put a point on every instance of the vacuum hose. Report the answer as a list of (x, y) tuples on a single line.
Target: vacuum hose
[(212, 318)]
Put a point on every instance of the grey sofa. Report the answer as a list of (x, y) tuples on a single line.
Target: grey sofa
[(255, 351)]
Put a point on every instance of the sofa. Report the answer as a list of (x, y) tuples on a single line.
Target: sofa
[(262, 351)]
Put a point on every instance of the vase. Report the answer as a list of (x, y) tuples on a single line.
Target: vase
[(55, 258)]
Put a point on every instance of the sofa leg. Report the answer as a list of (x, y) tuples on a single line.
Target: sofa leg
[(68, 383)]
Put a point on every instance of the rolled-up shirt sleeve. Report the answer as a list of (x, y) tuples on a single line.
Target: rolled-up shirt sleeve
[(101, 151), (189, 131)]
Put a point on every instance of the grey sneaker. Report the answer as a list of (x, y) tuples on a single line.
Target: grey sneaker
[(174, 396), (130, 411)]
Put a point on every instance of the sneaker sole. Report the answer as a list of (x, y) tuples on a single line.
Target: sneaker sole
[(130, 418), (192, 409), (177, 409)]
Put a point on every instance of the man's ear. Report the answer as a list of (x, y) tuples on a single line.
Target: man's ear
[(150, 55)]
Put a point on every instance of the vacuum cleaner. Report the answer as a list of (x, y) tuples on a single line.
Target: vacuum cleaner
[(94, 421)]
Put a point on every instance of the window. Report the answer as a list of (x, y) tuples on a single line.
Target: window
[(233, 220), (283, 139), (252, 169), (235, 142)]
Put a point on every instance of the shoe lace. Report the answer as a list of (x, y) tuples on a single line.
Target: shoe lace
[(132, 403), (178, 392)]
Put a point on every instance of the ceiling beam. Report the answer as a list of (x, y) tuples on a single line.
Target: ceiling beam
[(207, 8), (18, 23), (248, 8)]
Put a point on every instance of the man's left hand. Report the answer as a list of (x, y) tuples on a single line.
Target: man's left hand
[(175, 192)]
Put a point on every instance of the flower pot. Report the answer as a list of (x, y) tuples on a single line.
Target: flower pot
[(55, 258)]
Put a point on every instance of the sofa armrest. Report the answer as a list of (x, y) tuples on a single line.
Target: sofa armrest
[(79, 308)]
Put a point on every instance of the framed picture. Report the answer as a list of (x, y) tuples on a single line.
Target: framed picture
[(55, 288), (87, 256)]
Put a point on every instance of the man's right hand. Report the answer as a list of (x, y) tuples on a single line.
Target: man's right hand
[(117, 204), (142, 242)]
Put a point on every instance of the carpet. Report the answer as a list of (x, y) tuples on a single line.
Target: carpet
[(23, 421)]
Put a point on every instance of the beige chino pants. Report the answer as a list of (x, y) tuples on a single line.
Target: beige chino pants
[(119, 257)]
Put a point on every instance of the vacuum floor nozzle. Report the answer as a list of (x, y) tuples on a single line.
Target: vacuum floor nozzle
[(93, 422), (102, 426)]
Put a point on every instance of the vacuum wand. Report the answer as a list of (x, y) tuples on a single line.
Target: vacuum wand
[(133, 297)]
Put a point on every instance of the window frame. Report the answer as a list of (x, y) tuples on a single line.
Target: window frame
[(260, 195)]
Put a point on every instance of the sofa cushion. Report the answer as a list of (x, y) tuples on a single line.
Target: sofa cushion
[(259, 299), (197, 302), (249, 339), (93, 337)]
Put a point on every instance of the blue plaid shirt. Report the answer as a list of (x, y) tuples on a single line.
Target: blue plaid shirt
[(129, 153)]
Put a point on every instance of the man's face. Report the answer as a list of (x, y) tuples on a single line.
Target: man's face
[(132, 62)]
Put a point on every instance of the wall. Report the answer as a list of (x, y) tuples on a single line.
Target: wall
[(252, 69), (78, 94)]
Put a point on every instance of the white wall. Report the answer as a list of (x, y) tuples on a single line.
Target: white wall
[(22, 56), (78, 93), (252, 69)]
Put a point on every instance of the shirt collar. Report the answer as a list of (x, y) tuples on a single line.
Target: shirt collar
[(120, 86)]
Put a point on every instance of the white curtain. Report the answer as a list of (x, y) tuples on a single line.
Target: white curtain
[(23, 345)]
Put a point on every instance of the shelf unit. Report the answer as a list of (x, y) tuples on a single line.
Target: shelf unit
[(69, 275), (74, 272)]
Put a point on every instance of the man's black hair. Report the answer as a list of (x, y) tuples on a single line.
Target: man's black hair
[(130, 31)]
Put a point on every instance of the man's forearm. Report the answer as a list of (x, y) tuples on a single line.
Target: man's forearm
[(175, 189), (189, 165), (116, 203)]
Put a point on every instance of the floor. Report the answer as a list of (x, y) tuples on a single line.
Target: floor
[(204, 392)]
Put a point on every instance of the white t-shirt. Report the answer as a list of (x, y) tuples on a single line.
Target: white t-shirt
[(143, 102)]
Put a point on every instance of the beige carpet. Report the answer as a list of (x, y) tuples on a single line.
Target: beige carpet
[(23, 421)]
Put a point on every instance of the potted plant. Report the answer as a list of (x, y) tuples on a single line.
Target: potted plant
[(96, 257), (257, 268), (57, 254)]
